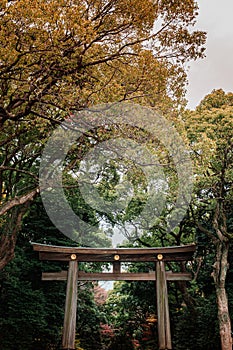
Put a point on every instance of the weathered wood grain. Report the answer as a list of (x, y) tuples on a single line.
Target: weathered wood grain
[(177, 253), (117, 276), (164, 333), (69, 328)]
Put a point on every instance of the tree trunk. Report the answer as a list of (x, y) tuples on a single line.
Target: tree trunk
[(7, 248), (12, 213), (219, 275), (9, 237)]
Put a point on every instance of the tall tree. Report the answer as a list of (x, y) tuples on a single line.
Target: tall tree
[(210, 131), (60, 57)]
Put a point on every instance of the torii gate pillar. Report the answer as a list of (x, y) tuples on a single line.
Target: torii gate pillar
[(69, 328), (164, 330)]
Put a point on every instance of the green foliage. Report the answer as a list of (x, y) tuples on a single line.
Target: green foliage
[(128, 306), (197, 330), (30, 315), (32, 311), (89, 318)]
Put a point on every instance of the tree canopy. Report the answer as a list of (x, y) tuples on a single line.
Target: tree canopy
[(60, 57)]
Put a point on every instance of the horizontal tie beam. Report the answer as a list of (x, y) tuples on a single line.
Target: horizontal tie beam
[(119, 276)]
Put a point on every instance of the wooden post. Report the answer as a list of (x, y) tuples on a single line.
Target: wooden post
[(116, 267), (69, 329), (164, 332), (166, 315)]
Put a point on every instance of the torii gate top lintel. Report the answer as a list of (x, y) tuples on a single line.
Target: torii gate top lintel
[(60, 253)]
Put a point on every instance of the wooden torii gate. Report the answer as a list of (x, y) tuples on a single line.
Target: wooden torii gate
[(115, 256)]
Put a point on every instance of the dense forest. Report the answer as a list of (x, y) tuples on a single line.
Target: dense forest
[(58, 61)]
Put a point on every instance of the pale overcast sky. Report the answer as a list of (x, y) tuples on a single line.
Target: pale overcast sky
[(216, 70)]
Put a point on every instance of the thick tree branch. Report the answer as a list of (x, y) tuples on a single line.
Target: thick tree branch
[(18, 201)]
